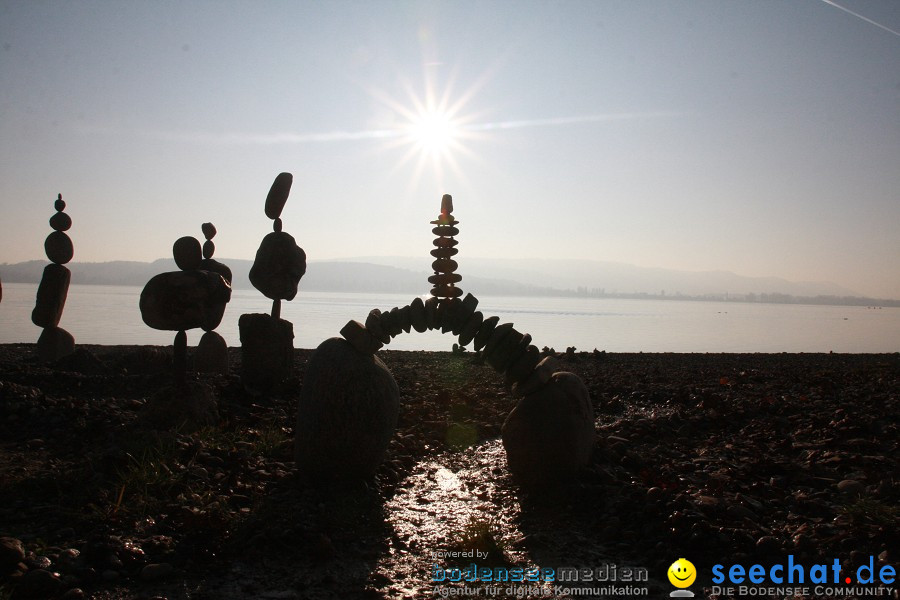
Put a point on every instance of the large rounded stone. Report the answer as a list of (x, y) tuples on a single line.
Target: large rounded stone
[(278, 195), (211, 355), (278, 266), (549, 435), (348, 411), (267, 351), (51, 296), (59, 248), (54, 343), (211, 264), (187, 253), (60, 221), (181, 300), (209, 230)]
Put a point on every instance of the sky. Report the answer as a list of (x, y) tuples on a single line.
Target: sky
[(757, 137)]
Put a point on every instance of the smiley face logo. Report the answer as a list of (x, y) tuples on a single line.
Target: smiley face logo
[(682, 573)]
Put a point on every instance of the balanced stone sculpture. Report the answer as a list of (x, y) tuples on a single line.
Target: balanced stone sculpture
[(211, 355), (267, 346), (185, 299), (54, 341)]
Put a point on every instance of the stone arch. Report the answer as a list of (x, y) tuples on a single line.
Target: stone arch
[(549, 434)]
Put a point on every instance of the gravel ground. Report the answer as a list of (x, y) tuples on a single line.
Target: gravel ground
[(719, 458)]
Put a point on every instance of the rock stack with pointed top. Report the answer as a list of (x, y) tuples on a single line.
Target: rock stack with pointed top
[(193, 297), (267, 346), (55, 342), (211, 355), (445, 277)]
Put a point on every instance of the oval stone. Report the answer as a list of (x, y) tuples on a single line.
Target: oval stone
[(187, 253), (446, 291), (60, 204), (278, 195), (444, 252), (59, 248), (181, 300), (209, 248), (209, 230), (51, 296), (445, 242), (60, 221), (445, 231), (444, 265)]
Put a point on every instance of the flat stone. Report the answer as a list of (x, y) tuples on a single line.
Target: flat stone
[(54, 343), (446, 291), (417, 315), (431, 313), (506, 350), (209, 230), (211, 355), (181, 300), (51, 296), (500, 332), (278, 266), (470, 328), (445, 242), (278, 195), (209, 248), (405, 318), (211, 264), (267, 351), (445, 230), (395, 326), (484, 332), (444, 252), (538, 377), (60, 221), (364, 342), (346, 415), (521, 368), (466, 310), (187, 253), (549, 435), (59, 248), (375, 327), (444, 279)]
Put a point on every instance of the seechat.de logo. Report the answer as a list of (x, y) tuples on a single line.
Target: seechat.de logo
[(682, 574)]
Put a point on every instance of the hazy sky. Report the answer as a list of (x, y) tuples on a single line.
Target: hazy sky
[(759, 137)]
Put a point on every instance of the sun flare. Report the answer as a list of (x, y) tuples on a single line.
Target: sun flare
[(434, 132)]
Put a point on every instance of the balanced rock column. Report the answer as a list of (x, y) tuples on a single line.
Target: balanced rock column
[(211, 355), (54, 341), (445, 277), (267, 341)]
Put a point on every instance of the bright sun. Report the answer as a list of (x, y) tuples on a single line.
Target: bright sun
[(434, 132)]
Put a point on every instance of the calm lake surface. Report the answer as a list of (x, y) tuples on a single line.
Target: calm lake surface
[(97, 314)]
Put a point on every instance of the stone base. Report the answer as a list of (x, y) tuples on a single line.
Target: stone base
[(55, 343), (211, 355), (347, 413), (267, 351)]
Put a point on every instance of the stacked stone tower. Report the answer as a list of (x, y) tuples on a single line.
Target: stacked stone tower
[(445, 277), (267, 341), (55, 342)]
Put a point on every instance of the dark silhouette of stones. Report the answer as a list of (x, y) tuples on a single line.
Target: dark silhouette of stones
[(549, 435), (347, 413), (277, 225), (405, 318), (470, 328), (209, 230), (497, 335), (209, 248), (187, 253), (181, 300), (390, 320), (447, 310), (51, 296), (60, 222), (54, 343), (446, 291), (12, 552), (538, 377), (186, 408), (267, 351), (464, 310), (211, 264), (60, 204), (444, 252), (59, 248), (431, 312), (445, 230), (445, 243), (522, 367), (211, 355), (278, 195), (484, 332), (373, 325), (417, 315), (502, 355), (361, 338), (278, 266)]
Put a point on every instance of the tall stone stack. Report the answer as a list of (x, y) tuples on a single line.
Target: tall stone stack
[(193, 297), (445, 277), (267, 341), (211, 355), (54, 341)]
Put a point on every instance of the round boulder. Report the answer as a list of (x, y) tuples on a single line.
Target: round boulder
[(348, 411), (181, 300), (549, 435), (278, 266)]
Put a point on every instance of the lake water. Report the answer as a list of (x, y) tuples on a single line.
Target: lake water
[(109, 315)]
